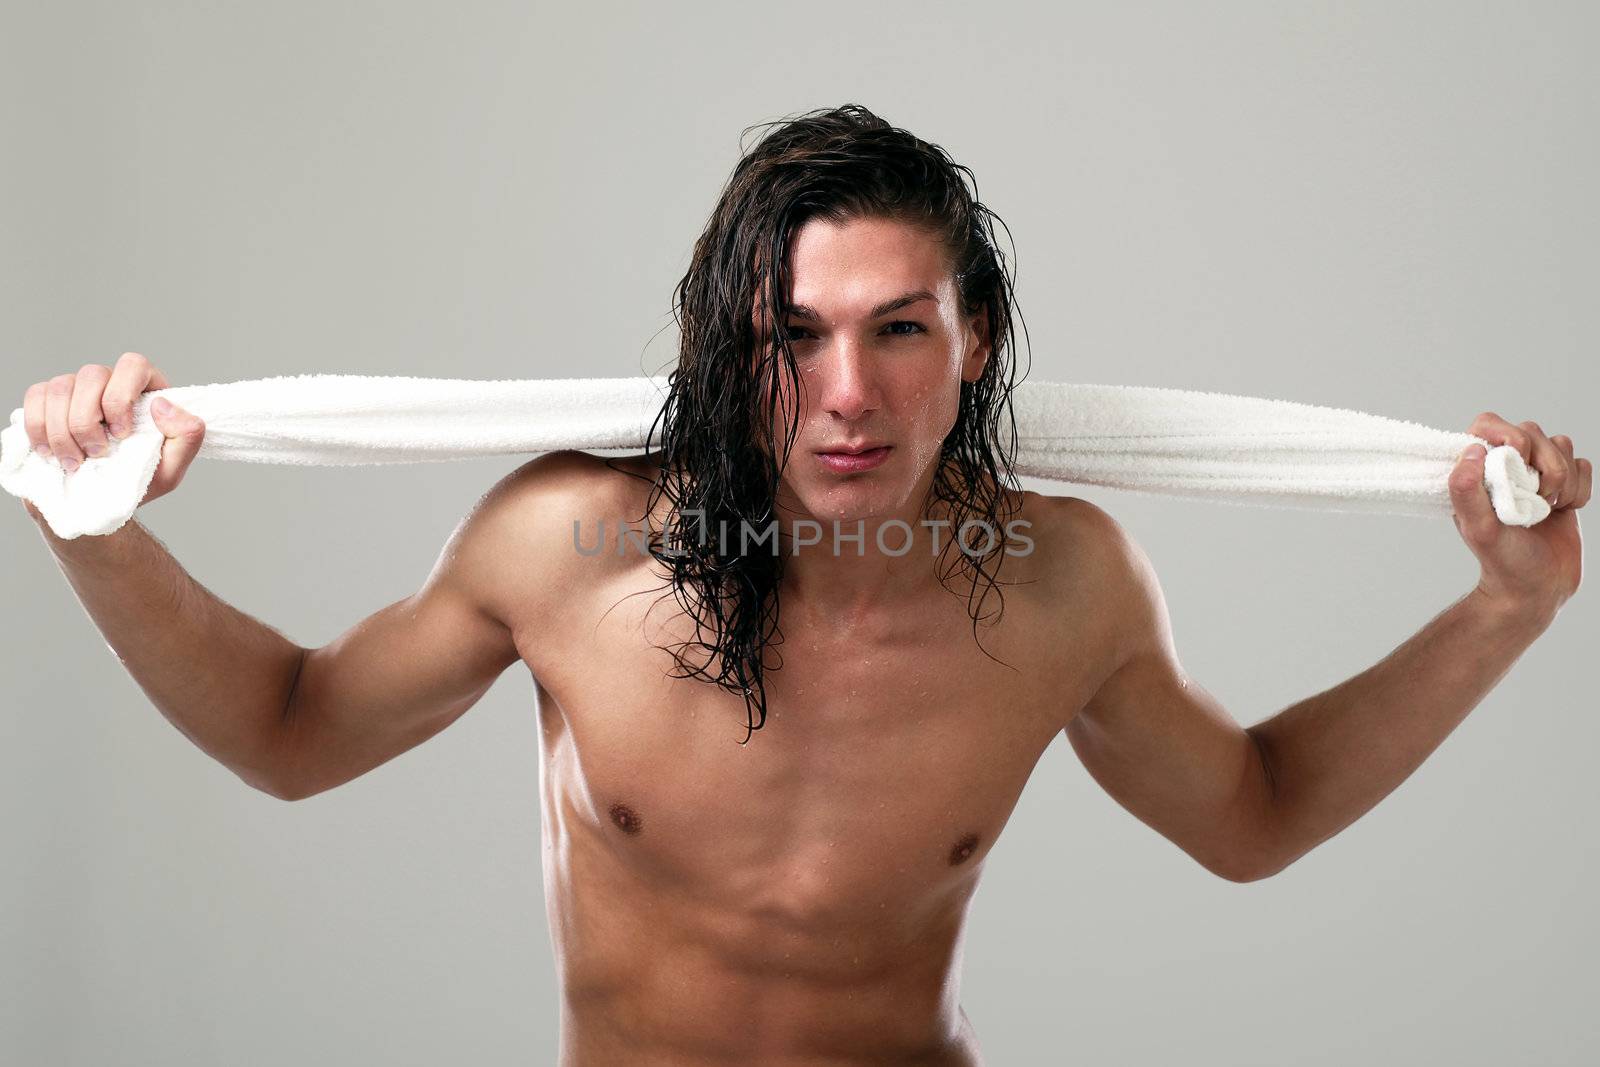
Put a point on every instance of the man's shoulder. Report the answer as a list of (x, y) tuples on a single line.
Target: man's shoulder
[(1091, 560), (1075, 533), (519, 543), (572, 477)]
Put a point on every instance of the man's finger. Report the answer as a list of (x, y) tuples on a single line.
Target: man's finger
[(83, 413), (33, 418), (57, 399), (1470, 500), (1498, 431), (1585, 483), (128, 380), (1555, 469)]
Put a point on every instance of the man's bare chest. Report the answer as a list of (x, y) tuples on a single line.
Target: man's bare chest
[(887, 764)]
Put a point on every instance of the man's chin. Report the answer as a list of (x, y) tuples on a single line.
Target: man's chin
[(853, 499)]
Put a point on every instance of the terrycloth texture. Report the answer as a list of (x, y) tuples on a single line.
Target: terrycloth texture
[(1173, 441)]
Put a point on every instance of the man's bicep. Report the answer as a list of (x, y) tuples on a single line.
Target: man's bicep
[(1159, 743), (407, 671), (389, 683)]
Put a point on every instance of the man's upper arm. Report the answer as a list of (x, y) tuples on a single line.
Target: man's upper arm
[(403, 674), (1157, 742)]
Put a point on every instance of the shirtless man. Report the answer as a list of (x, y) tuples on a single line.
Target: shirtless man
[(796, 894)]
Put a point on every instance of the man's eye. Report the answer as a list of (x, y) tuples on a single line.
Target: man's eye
[(916, 327)]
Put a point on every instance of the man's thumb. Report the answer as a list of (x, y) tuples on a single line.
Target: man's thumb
[(183, 433), (1469, 497)]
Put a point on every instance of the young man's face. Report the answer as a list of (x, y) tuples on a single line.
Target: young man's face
[(870, 375)]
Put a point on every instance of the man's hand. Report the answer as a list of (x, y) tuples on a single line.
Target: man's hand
[(1534, 568), (72, 415)]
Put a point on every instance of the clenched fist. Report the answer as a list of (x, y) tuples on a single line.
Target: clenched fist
[(1536, 566), (73, 416)]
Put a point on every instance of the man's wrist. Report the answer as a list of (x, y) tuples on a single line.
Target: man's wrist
[(1531, 615), (90, 549)]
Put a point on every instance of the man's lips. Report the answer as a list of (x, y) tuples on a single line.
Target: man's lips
[(845, 462), (851, 449)]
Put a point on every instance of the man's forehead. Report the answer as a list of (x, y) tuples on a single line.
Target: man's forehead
[(859, 268)]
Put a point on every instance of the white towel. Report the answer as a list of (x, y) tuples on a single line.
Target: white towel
[(1178, 442)]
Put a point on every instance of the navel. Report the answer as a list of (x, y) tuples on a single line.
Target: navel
[(627, 820), (962, 850)]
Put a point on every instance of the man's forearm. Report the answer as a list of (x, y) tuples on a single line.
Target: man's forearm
[(1333, 756), (221, 677)]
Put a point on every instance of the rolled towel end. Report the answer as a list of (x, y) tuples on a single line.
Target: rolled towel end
[(95, 499), (1513, 487)]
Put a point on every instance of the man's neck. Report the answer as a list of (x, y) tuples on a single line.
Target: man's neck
[(874, 564)]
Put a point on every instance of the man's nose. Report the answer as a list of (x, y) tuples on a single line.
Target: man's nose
[(849, 385)]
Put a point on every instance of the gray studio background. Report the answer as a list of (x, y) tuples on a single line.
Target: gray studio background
[(1387, 207)]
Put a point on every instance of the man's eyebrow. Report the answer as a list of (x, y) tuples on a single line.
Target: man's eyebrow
[(803, 311)]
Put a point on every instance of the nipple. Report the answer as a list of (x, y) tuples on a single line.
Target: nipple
[(963, 850), (627, 820)]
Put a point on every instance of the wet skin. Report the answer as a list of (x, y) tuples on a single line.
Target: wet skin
[(799, 899)]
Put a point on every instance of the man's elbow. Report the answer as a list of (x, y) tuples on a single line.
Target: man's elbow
[(273, 778), (275, 786), (274, 769), (1248, 871), (285, 779), (288, 792), (1259, 858), (1259, 851)]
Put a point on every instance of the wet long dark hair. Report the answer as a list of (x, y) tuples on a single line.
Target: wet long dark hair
[(720, 457)]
